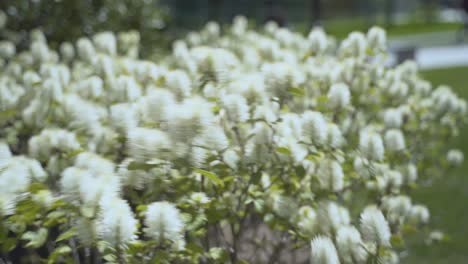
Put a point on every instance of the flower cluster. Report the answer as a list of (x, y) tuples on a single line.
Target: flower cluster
[(235, 131)]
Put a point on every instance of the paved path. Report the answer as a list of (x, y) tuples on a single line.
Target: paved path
[(431, 50)]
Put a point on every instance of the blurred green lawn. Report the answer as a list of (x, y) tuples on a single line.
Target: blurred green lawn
[(340, 28), (447, 197)]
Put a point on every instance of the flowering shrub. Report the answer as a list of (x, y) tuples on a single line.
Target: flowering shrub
[(241, 146)]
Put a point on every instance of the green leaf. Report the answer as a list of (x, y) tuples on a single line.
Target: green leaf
[(141, 166), (296, 91), (7, 114), (60, 251), (36, 239), (282, 150), (397, 241), (67, 234), (215, 179)]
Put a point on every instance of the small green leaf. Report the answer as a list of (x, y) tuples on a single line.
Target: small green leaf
[(67, 234), (36, 239), (141, 166), (282, 150), (397, 241), (296, 91), (215, 179), (60, 251)]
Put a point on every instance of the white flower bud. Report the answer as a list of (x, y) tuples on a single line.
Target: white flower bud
[(323, 251), (7, 49), (349, 244), (163, 221), (339, 96), (374, 226), (377, 39), (106, 42), (116, 223), (330, 175), (394, 140), (318, 40), (455, 157), (315, 127), (393, 118), (371, 145)]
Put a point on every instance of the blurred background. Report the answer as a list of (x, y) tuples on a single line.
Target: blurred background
[(432, 32)]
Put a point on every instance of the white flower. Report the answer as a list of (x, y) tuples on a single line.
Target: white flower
[(419, 214), (334, 137), (455, 157), (371, 145), (393, 118), (339, 96), (314, 127), (94, 163), (394, 140), (124, 116), (86, 50), (179, 83), (42, 145), (350, 245), (318, 40), (330, 175), (116, 223), (144, 144), (374, 226), (106, 42), (7, 49), (377, 38), (236, 107), (354, 45), (323, 251), (332, 216), (163, 221), (307, 222)]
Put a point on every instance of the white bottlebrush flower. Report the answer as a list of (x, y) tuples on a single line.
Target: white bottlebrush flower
[(157, 105), (179, 83), (7, 203), (40, 51), (307, 220), (377, 38), (393, 118), (332, 216), (455, 157), (106, 42), (330, 175), (163, 221), (67, 51), (318, 41), (323, 251), (339, 96), (94, 163), (419, 214), (116, 223), (7, 49), (124, 116), (394, 140), (86, 50), (236, 107), (350, 245), (42, 145), (145, 144), (374, 226), (314, 127), (371, 145), (354, 45), (335, 138)]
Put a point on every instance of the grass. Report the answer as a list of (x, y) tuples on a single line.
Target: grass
[(447, 198), (340, 28)]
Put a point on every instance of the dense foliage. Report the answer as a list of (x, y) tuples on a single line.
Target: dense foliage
[(241, 146)]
